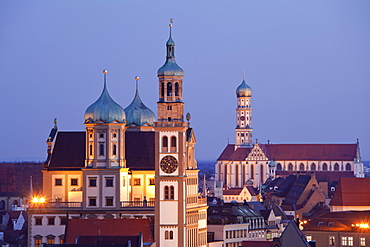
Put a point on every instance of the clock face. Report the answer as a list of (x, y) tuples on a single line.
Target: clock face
[(169, 164), (242, 118)]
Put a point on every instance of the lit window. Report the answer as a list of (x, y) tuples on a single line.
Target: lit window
[(344, 241), (151, 181), (38, 240), (362, 242), (350, 241), (50, 239), (58, 182), (309, 238), (331, 241), (137, 181)]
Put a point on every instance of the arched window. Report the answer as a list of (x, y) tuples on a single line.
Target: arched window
[(237, 175), (336, 167), (2, 205), (348, 167), (114, 151), (169, 89), (301, 167), (172, 193), (91, 150), (162, 89), (252, 171), (101, 149), (165, 141), (166, 193), (176, 89), (173, 141), (278, 167), (171, 234), (324, 167), (290, 167), (313, 167), (166, 235)]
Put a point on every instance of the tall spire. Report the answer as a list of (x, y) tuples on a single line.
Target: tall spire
[(170, 67)]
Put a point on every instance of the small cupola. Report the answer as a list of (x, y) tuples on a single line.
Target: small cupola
[(243, 90), (137, 113), (105, 109)]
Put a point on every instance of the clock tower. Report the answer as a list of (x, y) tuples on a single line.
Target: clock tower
[(176, 175)]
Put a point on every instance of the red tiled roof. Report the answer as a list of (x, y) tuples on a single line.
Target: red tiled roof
[(233, 191), (240, 154), (108, 227), (228, 151), (323, 152), (352, 192)]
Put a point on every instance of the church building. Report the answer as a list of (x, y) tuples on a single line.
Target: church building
[(248, 163), (127, 164)]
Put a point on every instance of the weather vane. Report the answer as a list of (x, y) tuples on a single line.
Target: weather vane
[(171, 21), (243, 74)]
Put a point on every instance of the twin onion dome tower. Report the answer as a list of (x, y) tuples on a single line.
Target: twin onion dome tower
[(106, 110)]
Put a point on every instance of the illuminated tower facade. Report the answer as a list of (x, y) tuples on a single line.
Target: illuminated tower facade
[(243, 130), (177, 208)]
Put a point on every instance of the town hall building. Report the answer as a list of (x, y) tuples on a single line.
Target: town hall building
[(127, 164)]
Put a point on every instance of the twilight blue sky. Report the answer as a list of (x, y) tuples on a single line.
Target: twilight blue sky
[(308, 63)]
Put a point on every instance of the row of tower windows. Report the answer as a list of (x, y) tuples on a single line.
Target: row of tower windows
[(169, 192), (168, 235), (170, 89), (313, 167), (165, 141)]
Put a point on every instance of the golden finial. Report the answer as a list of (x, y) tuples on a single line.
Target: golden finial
[(136, 78), (171, 21), (105, 71)]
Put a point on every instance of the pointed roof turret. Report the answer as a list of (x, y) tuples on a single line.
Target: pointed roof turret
[(170, 67), (137, 113), (105, 109)]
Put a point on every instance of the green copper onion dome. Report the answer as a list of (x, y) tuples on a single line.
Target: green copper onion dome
[(105, 109), (170, 67), (137, 113), (243, 90)]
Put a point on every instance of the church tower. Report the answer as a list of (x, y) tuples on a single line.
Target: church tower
[(243, 130), (176, 175)]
